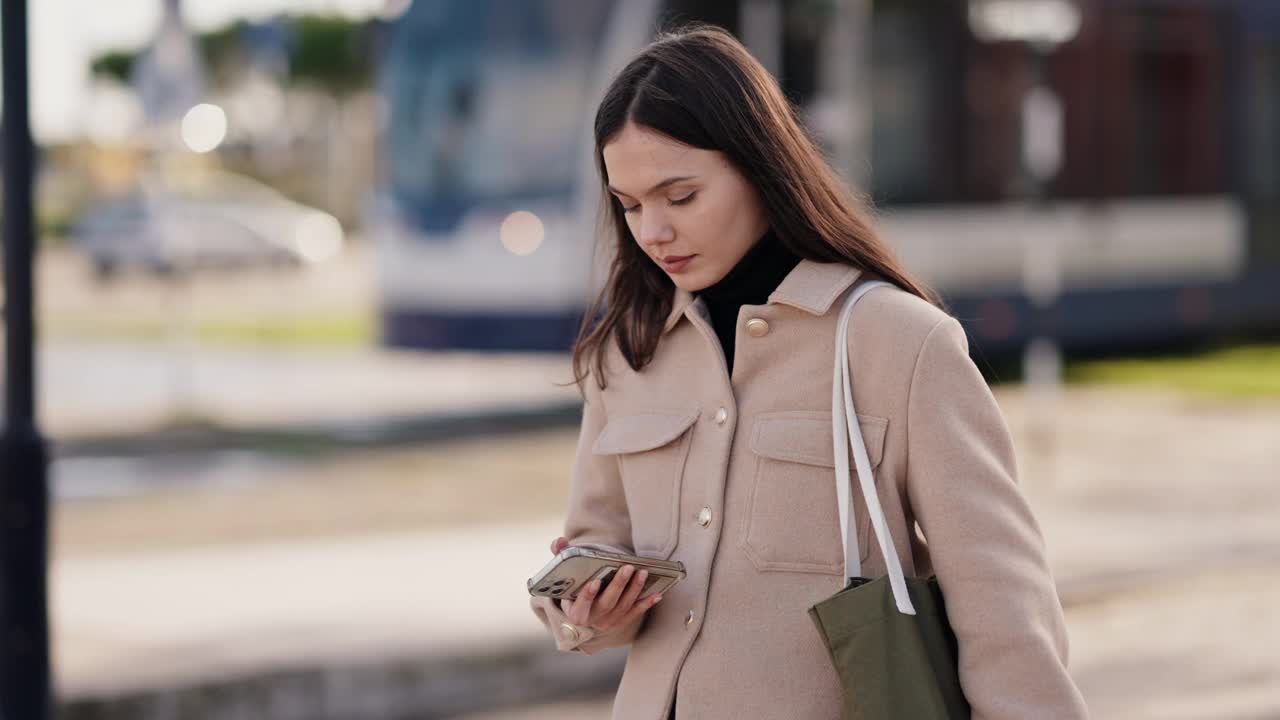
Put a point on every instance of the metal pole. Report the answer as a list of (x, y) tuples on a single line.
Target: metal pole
[(761, 32), (1042, 267), (847, 75), (24, 500)]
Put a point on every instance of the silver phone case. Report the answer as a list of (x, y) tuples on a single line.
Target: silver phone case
[(574, 567)]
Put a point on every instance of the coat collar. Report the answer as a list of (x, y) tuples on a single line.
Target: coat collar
[(810, 286)]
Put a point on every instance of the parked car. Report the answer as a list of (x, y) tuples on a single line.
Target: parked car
[(204, 220)]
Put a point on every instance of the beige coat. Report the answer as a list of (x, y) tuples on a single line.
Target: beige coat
[(735, 478)]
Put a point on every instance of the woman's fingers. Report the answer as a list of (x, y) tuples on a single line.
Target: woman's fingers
[(558, 544), (604, 607), (633, 590), (638, 609), (622, 611), (579, 611), (617, 583)]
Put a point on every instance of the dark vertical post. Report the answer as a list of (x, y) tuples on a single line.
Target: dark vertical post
[(24, 499)]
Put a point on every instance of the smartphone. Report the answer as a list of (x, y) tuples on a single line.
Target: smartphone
[(575, 567)]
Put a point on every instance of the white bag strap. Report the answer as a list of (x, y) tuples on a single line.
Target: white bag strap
[(845, 429)]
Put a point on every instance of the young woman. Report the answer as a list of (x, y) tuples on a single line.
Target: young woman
[(706, 433)]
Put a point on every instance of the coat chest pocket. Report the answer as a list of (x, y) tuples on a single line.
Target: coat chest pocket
[(651, 448), (793, 518)]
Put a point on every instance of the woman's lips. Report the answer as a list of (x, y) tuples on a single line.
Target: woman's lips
[(676, 264)]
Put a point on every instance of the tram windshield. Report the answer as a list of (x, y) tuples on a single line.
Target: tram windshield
[(487, 102)]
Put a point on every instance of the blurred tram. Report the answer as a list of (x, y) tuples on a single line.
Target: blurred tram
[(1160, 225)]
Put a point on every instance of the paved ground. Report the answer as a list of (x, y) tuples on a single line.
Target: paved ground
[(1160, 513), (1200, 646), (126, 505), (589, 708), (139, 619), (1158, 509), (73, 305), (110, 388), (129, 356)]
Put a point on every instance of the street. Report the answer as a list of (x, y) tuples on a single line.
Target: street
[(1158, 510)]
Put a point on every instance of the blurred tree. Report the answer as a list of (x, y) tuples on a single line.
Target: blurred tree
[(222, 51), (116, 65), (332, 52)]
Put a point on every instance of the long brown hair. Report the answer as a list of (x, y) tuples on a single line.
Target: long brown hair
[(700, 86)]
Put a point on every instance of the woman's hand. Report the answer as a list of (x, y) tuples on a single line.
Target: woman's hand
[(614, 605)]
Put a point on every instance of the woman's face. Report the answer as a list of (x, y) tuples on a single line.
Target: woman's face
[(683, 202)]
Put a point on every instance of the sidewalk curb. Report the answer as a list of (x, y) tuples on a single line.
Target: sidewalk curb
[(422, 688), (374, 433)]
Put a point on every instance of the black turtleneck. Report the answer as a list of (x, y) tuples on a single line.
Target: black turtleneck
[(750, 282)]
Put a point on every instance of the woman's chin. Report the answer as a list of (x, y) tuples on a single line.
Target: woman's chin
[(693, 282), (690, 283)]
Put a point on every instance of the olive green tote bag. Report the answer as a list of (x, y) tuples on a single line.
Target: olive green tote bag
[(888, 637)]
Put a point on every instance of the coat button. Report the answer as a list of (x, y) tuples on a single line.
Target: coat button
[(757, 327), (721, 416), (689, 620), (704, 517)]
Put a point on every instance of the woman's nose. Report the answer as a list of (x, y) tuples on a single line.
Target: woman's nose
[(654, 229)]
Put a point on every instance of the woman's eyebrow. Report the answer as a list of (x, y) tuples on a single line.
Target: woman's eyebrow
[(658, 186)]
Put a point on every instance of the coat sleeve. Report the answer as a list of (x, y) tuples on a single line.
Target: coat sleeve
[(986, 546), (597, 517)]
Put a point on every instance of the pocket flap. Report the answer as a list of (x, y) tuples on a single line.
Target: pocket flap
[(637, 432), (805, 437)]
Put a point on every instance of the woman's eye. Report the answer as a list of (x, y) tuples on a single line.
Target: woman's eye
[(677, 201)]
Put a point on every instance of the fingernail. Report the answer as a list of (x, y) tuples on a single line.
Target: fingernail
[(656, 598), (595, 584)]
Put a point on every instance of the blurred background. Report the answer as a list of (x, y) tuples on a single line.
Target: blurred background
[(308, 272)]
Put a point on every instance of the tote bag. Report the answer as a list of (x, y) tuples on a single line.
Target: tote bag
[(888, 637)]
